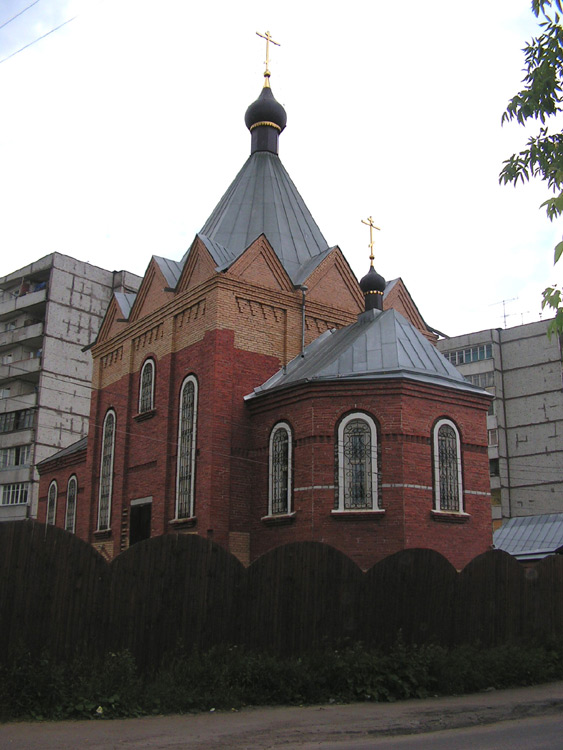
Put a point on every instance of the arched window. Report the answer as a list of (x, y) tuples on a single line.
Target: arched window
[(280, 457), (52, 503), (448, 491), (106, 471), (185, 472), (146, 388), (70, 516), (357, 463)]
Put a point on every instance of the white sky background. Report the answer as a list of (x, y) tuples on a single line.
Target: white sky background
[(120, 132)]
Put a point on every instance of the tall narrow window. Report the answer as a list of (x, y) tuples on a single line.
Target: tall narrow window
[(447, 467), (185, 472), (106, 471), (357, 463), (280, 470), (52, 503), (146, 389), (70, 517)]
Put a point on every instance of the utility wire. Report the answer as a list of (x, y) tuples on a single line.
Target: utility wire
[(18, 14), (37, 40)]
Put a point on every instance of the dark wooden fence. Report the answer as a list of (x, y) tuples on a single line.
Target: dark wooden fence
[(57, 593)]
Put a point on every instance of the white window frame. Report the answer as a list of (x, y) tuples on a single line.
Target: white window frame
[(109, 470), (142, 407), (70, 514), (12, 494), (374, 506), (280, 426), (436, 450), (190, 379), (52, 495)]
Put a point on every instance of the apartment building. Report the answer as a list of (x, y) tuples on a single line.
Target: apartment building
[(522, 368), (49, 311)]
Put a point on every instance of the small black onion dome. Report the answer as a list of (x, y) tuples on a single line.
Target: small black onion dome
[(373, 286), (266, 110)]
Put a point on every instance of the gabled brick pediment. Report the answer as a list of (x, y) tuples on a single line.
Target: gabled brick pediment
[(199, 267), (333, 282), (260, 265), (398, 298), (153, 292), (113, 322)]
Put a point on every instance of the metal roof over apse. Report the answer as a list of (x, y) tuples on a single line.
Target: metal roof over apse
[(381, 344), (262, 199), (530, 536)]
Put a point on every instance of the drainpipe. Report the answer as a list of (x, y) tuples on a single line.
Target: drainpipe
[(304, 290)]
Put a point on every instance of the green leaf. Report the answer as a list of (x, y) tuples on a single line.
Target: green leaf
[(558, 251)]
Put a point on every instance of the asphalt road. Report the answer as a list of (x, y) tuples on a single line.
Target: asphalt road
[(528, 716)]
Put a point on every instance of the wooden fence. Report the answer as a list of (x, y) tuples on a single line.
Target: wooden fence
[(56, 592)]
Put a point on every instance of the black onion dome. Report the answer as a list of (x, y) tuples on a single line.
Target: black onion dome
[(373, 286), (372, 282), (266, 110)]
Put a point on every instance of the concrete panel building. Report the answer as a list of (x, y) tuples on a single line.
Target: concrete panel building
[(49, 311), (522, 368)]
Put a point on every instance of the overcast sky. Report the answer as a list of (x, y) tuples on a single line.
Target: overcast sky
[(121, 131)]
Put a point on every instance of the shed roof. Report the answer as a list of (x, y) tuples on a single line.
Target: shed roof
[(531, 536)]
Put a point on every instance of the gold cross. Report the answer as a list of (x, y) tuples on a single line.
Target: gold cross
[(371, 226), (268, 37)]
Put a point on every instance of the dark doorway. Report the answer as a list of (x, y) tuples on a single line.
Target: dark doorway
[(139, 523)]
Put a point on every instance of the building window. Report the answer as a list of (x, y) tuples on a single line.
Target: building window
[(52, 503), (106, 471), (187, 425), (11, 421), (19, 455), (357, 463), (494, 469), (493, 437), (280, 457), (70, 516), (471, 354), (146, 389), (15, 494), (447, 467)]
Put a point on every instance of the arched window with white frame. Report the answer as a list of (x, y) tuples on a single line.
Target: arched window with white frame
[(357, 463), (52, 503), (146, 387), (280, 470), (106, 471), (70, 515), (187, 433), (448, 488)]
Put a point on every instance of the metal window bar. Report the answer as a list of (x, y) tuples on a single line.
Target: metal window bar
[(448, 468), (105, 473), (185, 452), (70, 505), (51, 504), (357, 466), (146, 388), (280, 471)]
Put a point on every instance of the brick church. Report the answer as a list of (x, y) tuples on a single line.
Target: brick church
[(256, 394)]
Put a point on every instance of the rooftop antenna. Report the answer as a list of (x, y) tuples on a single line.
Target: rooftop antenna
[(503, 302)]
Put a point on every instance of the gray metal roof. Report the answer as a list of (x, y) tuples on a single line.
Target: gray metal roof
[(125, 302), (262, 199), (379, 345), (80, 445), (171, 270), (531, 536)]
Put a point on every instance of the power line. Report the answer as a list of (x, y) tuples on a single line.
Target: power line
[(38, 39), (18, 14)]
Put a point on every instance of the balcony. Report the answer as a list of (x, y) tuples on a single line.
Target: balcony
[(18, 401), (30, 301), (16, 474), (14, 512), (25, 369), (31, 335)]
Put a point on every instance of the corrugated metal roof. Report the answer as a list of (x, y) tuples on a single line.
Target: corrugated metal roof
[(531, 536), (378, 345), (262, 199)]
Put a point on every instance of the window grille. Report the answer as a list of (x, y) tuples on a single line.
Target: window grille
[(186, 449), (357, 464), (52, 504), (447, 467), (280, 470), (146, 399), (70, 517), (106, 472)]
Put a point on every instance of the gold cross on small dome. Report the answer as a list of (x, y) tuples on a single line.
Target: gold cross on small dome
[(369, 222), (268, 37)]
